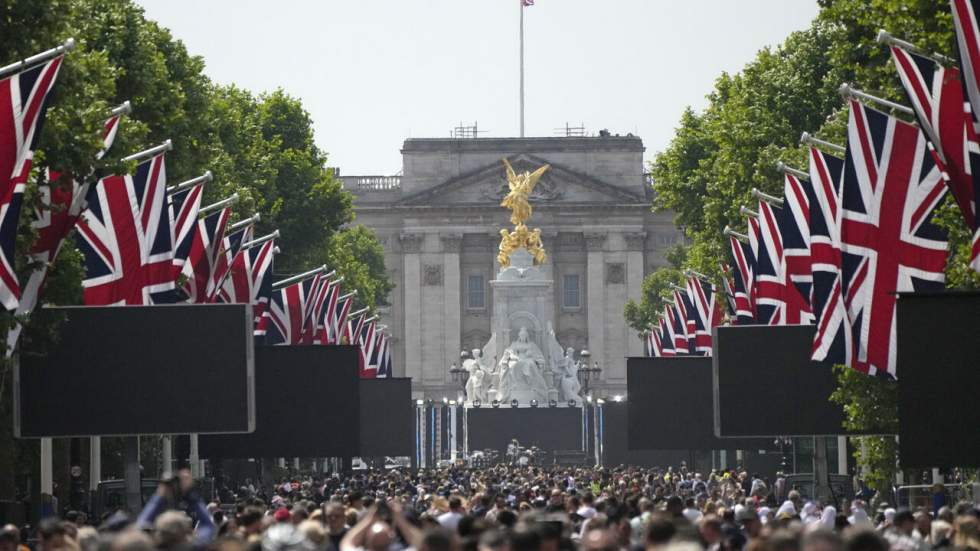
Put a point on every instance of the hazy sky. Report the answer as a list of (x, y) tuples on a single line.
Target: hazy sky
[(374, 72)]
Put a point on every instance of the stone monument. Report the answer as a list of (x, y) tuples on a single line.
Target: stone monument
[(523, 360)]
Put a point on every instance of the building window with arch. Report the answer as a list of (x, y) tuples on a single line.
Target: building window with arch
[(476, 295), (571, 295)]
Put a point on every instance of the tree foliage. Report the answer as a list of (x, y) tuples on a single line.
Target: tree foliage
[(754, 119), (260, 146)]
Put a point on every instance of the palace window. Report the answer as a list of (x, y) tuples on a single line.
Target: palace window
[(571, 292), (476, 296)]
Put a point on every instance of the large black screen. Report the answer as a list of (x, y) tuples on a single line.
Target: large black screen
[(550, 429), (124, 370), (766, 385), (938, 380), (387, 418), (670, 406), (307, 405)]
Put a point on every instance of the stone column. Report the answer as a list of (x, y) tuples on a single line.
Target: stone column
[(452, 322), (635, 242), (595, 287), (412, 291)]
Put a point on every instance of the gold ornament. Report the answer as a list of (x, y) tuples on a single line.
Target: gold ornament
[(521, 186)]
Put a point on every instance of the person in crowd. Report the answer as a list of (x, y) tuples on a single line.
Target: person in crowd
[(504, 508)]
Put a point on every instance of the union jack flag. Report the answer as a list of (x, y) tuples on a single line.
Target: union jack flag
[(23, 105), (336, 322), (317, 305), (891, 186), (832, 341), (685, 313), (61, 200), (183, 207), (366, 346), (352, 330), (706, 310), (231, 245), (794, 231), (287, 312), (125, 238), (665, 337), (968, 50), (778, 302), (324, 318), (384, 361), (936, 95), (203, 255), (678, 331), (743, 281), (250, 279), (372, 369)]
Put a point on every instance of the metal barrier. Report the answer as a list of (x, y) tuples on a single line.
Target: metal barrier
[(914, 496)]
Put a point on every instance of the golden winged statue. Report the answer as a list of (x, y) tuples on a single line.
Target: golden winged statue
[(521, 186)]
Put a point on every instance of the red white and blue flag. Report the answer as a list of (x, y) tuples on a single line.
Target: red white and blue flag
[(743, 281), (287, 312), (678, 330), (231, 246), (198, 268), (250, 280), (794, 230), (23, 105), (335, 323), (125, 238), (366, 345), (666, 337), (707, 310), (891, 187), (183, 207), (833, 339)]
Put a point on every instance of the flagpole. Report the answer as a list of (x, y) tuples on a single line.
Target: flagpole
[(521, 4)]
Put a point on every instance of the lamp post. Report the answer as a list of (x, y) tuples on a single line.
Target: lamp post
[(587, 374), (459, 374)]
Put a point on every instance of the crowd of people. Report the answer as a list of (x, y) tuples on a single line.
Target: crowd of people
[(509, 508)]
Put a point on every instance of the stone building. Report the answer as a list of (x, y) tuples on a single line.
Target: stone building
[(439, 223)]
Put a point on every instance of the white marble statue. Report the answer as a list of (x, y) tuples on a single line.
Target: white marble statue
[(519, 372), (478, 383), (568, 370)]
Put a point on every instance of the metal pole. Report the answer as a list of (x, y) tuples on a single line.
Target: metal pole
[(848, 92), (94, 462), (732, 233), (47, 471), (886, 37), (203, 178), (195, 459), (260, 240), (781, 166), (841, 455), (521, 4), (771, 199), (299, 277), (222, 203), (817, 142), (746, 211), (247, 222), (23, 64), (131, 470), (166, 444), (123, 108), (165, 146)]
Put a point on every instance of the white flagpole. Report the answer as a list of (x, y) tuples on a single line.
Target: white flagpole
[(521, 4)]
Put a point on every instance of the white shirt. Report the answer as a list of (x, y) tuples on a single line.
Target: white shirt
[(449, 520)]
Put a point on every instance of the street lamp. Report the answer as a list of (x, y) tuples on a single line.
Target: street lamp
[(458, 373), (587, 374)]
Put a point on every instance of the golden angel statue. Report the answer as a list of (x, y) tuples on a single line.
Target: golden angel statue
[(521, 186)]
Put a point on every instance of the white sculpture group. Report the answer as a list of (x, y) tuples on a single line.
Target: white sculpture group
[(523, 372)]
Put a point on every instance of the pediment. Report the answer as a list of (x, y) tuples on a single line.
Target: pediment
[(488, 186)]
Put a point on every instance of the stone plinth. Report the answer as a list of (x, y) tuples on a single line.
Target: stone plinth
[(522, 297)]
